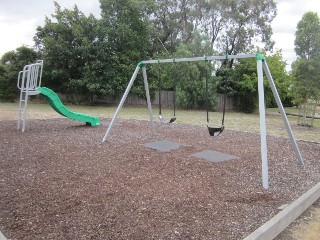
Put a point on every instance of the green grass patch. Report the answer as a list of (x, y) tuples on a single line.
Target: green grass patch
[(233, 120)]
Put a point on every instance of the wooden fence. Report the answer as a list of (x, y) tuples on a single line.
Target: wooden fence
[(166, 100)]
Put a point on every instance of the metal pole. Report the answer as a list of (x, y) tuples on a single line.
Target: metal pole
[(26, 98), (263, 134), (146, 86), (194, 59), (283, 114), (134, 75), (41, 67), (21, 87)]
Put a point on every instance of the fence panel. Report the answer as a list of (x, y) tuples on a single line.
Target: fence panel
[(166, 100)]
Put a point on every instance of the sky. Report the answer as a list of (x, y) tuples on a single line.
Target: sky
[(20, 18)]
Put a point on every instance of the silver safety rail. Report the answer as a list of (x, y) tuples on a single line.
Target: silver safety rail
[(29, 79)]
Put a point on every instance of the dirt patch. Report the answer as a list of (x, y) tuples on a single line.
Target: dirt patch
[(59, 181), (306, 227)]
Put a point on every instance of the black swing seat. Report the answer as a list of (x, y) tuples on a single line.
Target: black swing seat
[(172, 120), (215, 132), (162, 120)]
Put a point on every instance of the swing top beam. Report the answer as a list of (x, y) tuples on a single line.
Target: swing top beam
[(204, 58)]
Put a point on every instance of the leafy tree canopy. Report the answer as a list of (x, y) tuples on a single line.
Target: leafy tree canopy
[(305, 71), (244, 83), (11, 64), (95, 57), (307, 36)]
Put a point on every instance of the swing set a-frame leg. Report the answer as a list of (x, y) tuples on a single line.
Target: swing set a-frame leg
[(134, 75), (263, 131), (123, 99), (262, 66), (283, 113), (146, 86)]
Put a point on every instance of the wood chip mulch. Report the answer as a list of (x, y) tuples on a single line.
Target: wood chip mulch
[(58, 180)]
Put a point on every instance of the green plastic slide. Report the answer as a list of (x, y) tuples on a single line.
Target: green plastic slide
[(58, 106)]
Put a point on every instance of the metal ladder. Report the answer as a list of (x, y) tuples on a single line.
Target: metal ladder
[(28, 81)]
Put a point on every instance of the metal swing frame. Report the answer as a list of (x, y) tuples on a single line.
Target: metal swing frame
[(261, 67)]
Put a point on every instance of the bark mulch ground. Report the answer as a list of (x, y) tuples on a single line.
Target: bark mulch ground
[(60, 181)]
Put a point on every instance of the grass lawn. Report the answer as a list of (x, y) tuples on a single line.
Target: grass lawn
[(294, 110), (233, 120)]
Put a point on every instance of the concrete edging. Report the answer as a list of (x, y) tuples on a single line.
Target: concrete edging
[(283, 219), (2, 237)]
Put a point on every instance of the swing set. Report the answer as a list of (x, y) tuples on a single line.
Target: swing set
[(262, 67), (213, 131)]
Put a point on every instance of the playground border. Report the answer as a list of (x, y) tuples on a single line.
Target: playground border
[(2, 237), (282, 220)]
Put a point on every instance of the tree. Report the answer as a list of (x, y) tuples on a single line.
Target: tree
[(124, 26), (3, 83), (231, 26), (307, 36), (11, 64), (282, 79), (234, 26), (172, 22), (70, 50), (191, 77), (306, 83), (96, 57), (306, 68), (244, 84)]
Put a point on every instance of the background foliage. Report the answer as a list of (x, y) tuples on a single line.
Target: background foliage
[(11, 64), (95, 57), (306, 69)]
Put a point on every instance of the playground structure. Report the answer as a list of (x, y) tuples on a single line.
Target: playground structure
[(307, 111), (29, 82), (261, 67)]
